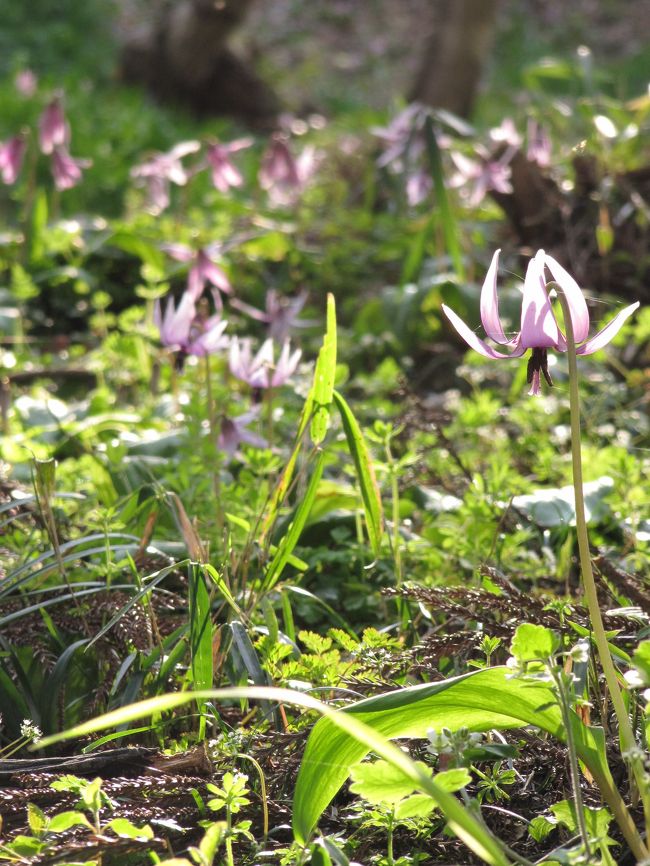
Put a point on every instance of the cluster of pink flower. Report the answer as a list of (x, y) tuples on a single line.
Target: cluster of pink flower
[(281, 174), (404, 146), (53, 139)]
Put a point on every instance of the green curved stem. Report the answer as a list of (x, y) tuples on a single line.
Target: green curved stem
[(628, 742)]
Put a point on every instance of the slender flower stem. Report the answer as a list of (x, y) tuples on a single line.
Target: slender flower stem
[(628, 743), (214, 436), (563, 700)]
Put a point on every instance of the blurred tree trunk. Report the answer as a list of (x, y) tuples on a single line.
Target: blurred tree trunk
[(455, 53), (182, 55)]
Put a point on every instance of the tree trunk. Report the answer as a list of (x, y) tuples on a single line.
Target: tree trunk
[(183, 56), (455, 53)]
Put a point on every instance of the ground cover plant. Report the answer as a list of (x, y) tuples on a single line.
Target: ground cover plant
[(294, 567)]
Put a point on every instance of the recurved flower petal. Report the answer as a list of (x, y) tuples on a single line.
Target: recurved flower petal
[(475, 342), (575, 299), (606, 334), (490, 303)]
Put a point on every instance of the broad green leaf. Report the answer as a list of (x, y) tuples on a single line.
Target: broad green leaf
[(459, 820), (65, 820), (123, 828), (534, 642), (36, 819), (480, 701), (365, 473), (597, 821), (415, 806), (324, 375)]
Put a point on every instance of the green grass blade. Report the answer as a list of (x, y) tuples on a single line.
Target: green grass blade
[(290, 539), (365, 473)]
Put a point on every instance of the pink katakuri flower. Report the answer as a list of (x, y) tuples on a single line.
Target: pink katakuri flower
[(234, 431), (224, 173), (53, 129), (281, 313), (477, 178), (282, 175), (12, 152), (26, 82), (260, 371), (161, 169), (185, 331), (418, 186), (66, 170), (539, 328), (538, 144), (203, 270)]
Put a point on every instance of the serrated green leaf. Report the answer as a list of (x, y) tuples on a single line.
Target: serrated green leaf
[(532, 642)]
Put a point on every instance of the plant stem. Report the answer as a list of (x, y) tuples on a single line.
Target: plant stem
[(628, 742), (214, 435), (563, 700)]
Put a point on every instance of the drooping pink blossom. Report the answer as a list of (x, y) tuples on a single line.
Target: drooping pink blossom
[(182, 329), (475, 178), (53, 129), (26, 82), (161, 169), (281, 313), (283, 176), (204, 269), (539, 330), (12, 152), (234, 431), (538, 144), (219, 159), (260, 371), (66, 170)]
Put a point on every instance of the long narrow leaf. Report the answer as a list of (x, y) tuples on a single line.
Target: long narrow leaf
[(479, 701), (286, 546), (201, 665), (365, 473), (449, 225), (324, 375)]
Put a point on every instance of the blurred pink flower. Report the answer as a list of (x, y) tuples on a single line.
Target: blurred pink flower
[(506, 133), (281, 313), (260, 371), (12, 152), (224, 172), (54, 130), (476, 178), (539, 144), (203, 270), (183, 331), (282, 175), (234, 431), (418, 186), (161, 169), (66, 170), (403, 133), (539, 329), (26, 82)]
